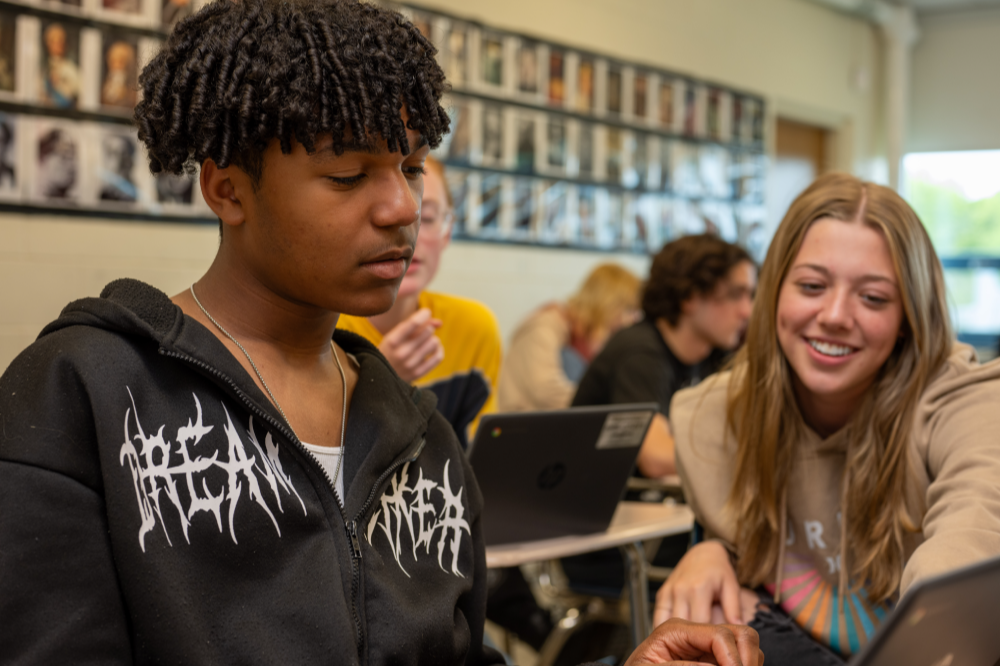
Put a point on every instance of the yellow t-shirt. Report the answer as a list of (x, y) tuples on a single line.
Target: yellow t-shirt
[(465, 381)]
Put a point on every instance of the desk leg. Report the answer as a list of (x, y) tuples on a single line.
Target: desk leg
[(638, 590)]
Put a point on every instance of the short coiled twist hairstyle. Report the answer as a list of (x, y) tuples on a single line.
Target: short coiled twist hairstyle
[(241, 73), (686, 267)]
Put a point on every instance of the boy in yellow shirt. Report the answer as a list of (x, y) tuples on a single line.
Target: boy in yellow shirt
[(446, 344)]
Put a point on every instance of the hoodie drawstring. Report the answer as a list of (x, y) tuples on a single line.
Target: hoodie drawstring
[(782, 538), (842, 587)]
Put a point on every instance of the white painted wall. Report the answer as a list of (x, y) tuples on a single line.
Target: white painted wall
[(810, 63), (956, 90)]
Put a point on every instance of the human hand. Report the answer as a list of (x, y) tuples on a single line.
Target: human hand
[(749, 605), (704, 577), (411, 347), (681, 643)]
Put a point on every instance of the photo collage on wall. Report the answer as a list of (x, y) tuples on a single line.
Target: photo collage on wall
[(556, 146), (68, 86)]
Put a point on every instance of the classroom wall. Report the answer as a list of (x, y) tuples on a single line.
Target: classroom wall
[(810, 63), (956, 92)]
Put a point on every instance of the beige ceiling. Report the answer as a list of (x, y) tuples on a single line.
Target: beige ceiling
[(868, 8), (947, 5)]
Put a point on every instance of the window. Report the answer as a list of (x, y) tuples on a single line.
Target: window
[(957, 196)]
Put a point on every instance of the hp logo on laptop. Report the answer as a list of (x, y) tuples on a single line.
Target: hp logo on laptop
[(551, 476)]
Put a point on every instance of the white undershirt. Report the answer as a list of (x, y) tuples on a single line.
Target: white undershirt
[(328, 456)]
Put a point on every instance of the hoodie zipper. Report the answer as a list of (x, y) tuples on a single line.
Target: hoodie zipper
[(351, 526), (352, 531)]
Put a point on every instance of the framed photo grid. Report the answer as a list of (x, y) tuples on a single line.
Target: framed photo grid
[(68, 85), (557, 146), (549, 145)]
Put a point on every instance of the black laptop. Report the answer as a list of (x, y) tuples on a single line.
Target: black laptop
[(551, 474), (950, 620)]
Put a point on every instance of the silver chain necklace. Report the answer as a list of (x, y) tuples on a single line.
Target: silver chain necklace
[(343, 378)]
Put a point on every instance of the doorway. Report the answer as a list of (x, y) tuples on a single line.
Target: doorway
[(801, 155)]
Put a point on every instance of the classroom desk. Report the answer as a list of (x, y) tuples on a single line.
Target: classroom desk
[(668, 486), (633, 523)]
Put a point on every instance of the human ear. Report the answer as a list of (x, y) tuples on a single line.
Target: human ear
[(222, 193), (690, 304)]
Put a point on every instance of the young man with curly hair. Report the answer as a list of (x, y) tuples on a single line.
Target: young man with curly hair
[(220, 476), (696, 303)]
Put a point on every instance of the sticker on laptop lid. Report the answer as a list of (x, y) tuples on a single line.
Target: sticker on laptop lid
[(623, 429)]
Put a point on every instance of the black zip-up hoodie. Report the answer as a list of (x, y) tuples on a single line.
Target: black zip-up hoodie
[(155, 508)]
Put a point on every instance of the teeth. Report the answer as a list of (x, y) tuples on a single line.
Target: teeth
[(830, 349)]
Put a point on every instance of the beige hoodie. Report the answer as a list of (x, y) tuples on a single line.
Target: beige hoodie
[(953, 489), (532, 376)]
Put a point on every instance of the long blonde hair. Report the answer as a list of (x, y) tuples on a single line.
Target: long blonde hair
[(765, 418)]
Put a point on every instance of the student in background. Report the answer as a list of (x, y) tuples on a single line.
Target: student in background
[(444, 343), (551, 349), (696, 302), (851, 451)]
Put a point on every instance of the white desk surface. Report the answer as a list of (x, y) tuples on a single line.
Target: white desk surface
[(633, 521)]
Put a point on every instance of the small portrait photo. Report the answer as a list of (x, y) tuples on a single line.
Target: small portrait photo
[(758, 121), (557, 82), (587, 214), (585, 148), (457, 57), (525, 158), (458, 186), (737, 118), (690, 110), (8, 51), (638, 170), (685, 170), (554, 227), (585, 85), (455, 146), (714, 170), (422, 22), (527, 67), (8, 156), (173, 188), (556, 138), (635, 226), (116, 176), (666, 105), (615, 155), (123, 6), (489, 204), (614, 89), (492, 59), (60, 72), (119, 71), (666, 167), (57, 163), (640, 92), (173, 12), (609, 231), (713, 119), (524, 208), (492, 135), (648, 213)]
